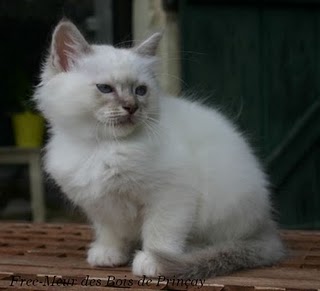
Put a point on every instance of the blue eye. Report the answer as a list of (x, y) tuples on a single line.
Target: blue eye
[(104, 88), (141, 90)]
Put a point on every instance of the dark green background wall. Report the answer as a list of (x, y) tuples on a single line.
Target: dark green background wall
[(260, 62)]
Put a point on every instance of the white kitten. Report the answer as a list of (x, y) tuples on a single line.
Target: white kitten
[(151, 171)]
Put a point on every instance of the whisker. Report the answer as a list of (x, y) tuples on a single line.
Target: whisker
[(97, 136), (150, 130), (153, 126), (172, 76), (114, 132)]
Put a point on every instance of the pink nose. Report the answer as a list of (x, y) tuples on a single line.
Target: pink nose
[(130, 108)]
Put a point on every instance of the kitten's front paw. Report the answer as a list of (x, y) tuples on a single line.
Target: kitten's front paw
[(99, 255), (144, 264)]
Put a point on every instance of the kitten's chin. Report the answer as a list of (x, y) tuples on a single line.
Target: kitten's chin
[(123, 128), (118, 128)]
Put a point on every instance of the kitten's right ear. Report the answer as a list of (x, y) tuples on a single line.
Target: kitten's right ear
[(67, 45), (149, 46)]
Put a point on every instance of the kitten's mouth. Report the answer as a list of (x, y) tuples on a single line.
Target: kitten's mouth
[(122, 121)]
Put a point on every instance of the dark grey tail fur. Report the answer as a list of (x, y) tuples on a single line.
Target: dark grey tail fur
[(223, 259)]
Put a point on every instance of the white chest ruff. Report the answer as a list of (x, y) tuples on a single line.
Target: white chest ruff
[(88, 177)]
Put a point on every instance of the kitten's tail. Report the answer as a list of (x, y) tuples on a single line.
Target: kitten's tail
[(222, 260)]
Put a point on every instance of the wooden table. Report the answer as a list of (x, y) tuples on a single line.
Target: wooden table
[(32, 158), (52, 257)]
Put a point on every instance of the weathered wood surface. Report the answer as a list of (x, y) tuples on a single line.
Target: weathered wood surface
[(52, 257)]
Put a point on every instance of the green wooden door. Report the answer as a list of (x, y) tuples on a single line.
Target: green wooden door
[(261, 64)]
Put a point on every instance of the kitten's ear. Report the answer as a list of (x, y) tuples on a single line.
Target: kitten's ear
[(149, 46), (67, 45)]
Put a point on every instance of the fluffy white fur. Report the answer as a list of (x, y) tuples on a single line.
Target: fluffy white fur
[(176, 181)]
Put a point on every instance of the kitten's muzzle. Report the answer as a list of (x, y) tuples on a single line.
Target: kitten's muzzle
[(131, 108), (123, 120)]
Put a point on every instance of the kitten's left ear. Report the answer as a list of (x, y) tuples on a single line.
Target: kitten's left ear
[(149, 46), (67, 45)]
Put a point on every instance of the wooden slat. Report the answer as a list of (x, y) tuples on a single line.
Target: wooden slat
[(40, 251)]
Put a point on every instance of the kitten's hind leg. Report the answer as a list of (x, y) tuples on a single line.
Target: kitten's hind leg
[(167, 223)]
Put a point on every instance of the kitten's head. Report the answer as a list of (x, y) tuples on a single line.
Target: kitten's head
[(98, 89)]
